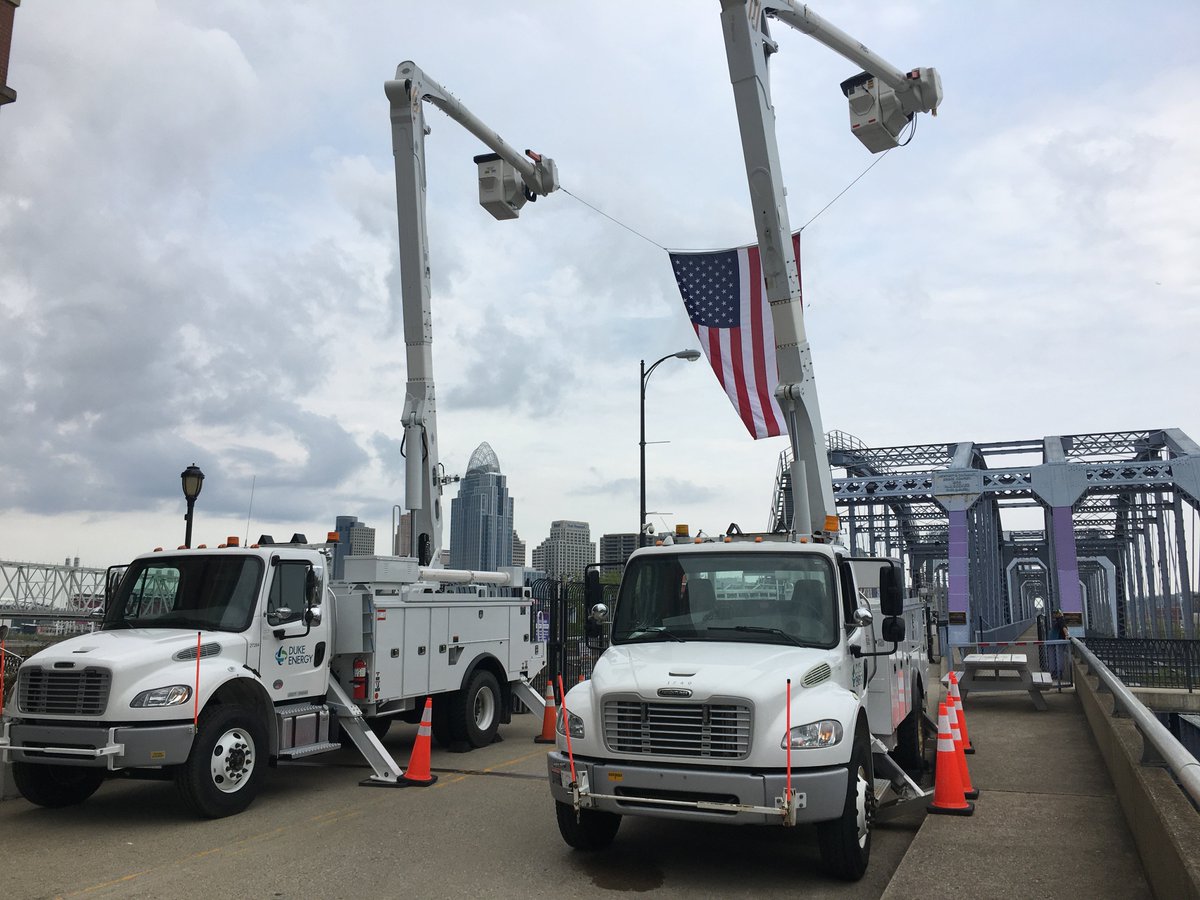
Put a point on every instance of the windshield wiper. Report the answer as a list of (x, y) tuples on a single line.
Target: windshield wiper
[(641, 634), (169, 622), (759, 629)]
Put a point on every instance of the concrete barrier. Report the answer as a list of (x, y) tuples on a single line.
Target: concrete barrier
[(1165, 825)]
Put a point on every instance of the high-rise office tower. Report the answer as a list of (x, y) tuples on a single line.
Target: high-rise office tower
[(567, 551), (481, 516)]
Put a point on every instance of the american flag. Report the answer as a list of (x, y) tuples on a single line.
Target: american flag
[(726, 300)]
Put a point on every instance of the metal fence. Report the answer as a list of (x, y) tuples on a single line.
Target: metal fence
[(560, 616), (1150, 662), (9, 663)]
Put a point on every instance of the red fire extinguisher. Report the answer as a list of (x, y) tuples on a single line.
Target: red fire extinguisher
[(359, 679)]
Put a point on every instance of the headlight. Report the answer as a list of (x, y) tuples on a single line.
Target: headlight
[(576, 723), (163, 696), (825, 733)]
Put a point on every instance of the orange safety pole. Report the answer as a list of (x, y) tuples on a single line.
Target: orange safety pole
[(788, 740), (196, 695), (566, 726), (3, 666)]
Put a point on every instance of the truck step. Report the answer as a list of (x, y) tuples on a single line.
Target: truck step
[(309, 750), (299, 709)]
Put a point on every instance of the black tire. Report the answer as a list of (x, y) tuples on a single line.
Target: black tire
[(475, 713), (590, 829), (910, 736), (381, 725), (56, 786), (440, 719), (224, 771), (846, 841)]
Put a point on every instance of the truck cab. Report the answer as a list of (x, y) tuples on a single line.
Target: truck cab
[(199, 654)]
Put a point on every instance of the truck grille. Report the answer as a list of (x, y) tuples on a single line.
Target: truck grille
[(704, 730), (82, 692)]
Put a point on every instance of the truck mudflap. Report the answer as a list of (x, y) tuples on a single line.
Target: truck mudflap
[(742, 798), (97, 746)]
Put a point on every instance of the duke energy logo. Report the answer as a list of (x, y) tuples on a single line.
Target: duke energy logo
[(293, 655)]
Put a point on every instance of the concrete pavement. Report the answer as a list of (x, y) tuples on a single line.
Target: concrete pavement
[(1047, 823)]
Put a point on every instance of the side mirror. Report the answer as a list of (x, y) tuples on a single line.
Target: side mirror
[(863, 617), (893, 629), (312, 588), (593, 628), (593, 590), (891, 591), (279, 616), (312, 616)]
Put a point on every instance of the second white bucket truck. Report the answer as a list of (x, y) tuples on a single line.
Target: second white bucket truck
[(768, 679)]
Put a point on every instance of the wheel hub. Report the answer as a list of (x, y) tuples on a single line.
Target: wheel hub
[(862, 803), (232, 760), (484, 709)]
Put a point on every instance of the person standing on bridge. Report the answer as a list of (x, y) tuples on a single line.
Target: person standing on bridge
[(1058, 654)]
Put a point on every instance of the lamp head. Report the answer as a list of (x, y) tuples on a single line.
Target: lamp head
[(689, 355), (193, 481)]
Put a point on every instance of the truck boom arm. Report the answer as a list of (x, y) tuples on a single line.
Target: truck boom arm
[(539, 176), (747, 46)]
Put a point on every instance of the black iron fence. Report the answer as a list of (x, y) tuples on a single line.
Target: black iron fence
[(1151, 662), (560, 617)]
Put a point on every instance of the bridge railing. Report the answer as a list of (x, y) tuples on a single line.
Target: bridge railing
[(1159, 746), (1151, 662)]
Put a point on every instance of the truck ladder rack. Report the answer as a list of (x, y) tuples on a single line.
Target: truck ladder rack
[(387, 772)]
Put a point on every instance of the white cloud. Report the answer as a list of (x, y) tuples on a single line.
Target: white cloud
[(198, 223)]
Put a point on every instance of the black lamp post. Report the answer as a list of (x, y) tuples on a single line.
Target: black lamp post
[(193, 480), (690, 356)]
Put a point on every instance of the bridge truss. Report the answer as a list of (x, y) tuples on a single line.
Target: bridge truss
[(1116, 550), (41, 588)]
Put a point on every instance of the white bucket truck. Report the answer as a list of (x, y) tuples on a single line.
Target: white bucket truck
[(215, 663), (687, 712), (752, 682)]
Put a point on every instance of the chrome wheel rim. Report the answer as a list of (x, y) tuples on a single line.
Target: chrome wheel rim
[(484, 709), (232, 760), (862, 806)]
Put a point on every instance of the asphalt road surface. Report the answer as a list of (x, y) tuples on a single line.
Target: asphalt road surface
[(485, 829)]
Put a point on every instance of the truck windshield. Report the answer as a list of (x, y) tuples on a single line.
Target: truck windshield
[(759, 597), (196, 591)]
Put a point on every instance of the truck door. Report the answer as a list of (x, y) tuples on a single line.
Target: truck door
[(292, 664)]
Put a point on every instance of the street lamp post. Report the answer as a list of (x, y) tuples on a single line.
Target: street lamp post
[(193, 480), (690, 356)]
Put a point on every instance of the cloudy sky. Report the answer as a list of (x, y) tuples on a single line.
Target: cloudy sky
[(198, 256)]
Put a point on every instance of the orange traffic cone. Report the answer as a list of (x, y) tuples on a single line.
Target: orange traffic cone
[(948, 796), (968, 791), (968, 747), (549, 717), (418, 763)]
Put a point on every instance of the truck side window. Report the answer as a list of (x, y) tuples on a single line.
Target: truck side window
[(288, 589)]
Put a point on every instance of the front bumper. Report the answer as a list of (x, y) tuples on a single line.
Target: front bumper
[(698, 794), (96, 746)]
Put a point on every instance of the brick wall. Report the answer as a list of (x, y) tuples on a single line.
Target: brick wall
[(7, 10)]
